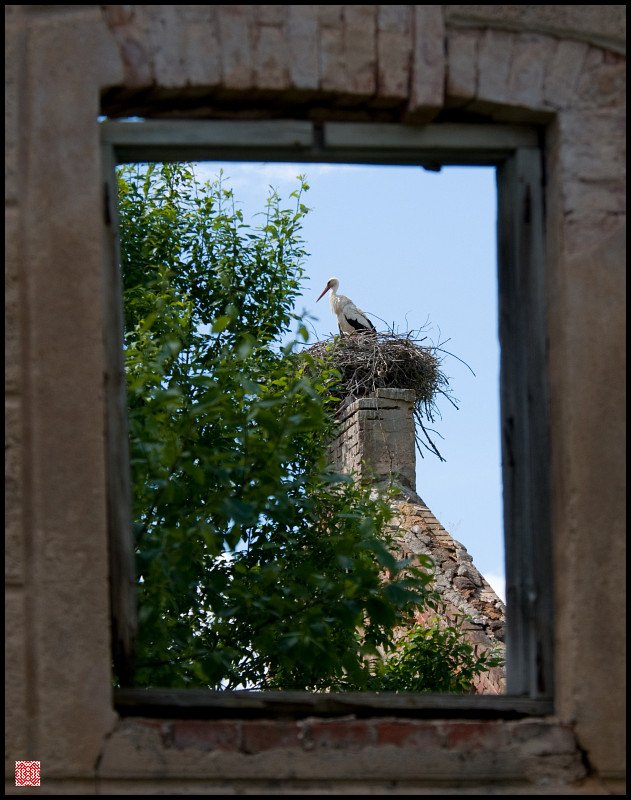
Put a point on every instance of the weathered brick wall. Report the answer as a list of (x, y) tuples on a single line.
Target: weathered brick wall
[(462, 587), (375, 438), (375, 441), (335, 55), (561, 66), (367, 756)]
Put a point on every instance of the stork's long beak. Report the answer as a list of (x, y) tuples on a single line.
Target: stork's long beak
[(326, 289)]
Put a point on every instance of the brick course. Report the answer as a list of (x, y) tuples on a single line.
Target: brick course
[(401, 751)]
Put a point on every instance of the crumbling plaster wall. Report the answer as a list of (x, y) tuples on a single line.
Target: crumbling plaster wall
[(561, 66)]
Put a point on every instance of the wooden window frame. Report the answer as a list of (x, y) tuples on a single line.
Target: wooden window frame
[(517, 154)]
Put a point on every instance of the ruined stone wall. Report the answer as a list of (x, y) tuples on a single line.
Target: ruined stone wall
[(463, 589), (375, 442), (562, 67)]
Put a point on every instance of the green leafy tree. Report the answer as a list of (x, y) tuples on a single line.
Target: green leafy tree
[(434, 657), (257, 566)]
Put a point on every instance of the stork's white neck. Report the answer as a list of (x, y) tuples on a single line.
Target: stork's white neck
[(338, 301)]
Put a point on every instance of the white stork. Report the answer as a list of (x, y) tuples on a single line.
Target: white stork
[(349, 318)]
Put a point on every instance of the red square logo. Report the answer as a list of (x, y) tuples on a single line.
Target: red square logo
[(27, 773)]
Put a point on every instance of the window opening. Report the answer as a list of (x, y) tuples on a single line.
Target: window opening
[(417, 250), (393, 247)]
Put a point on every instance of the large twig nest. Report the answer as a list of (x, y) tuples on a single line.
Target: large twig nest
[(366, 362)]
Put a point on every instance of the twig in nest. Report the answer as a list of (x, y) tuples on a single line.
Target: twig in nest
[(366, 363)]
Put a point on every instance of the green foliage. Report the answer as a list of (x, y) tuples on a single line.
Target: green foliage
[(256, 565), (433, 658)]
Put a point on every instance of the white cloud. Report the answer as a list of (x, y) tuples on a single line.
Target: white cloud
[(241, 173)]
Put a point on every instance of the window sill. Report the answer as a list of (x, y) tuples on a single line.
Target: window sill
[(207, 704)]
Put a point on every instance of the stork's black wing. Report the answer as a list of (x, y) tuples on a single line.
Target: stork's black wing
[(359, 326)]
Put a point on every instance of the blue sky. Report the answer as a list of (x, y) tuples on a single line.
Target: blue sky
[(414, 249)]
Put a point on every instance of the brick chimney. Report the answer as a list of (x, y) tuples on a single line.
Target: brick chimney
[(376, 438), (376, 441)]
